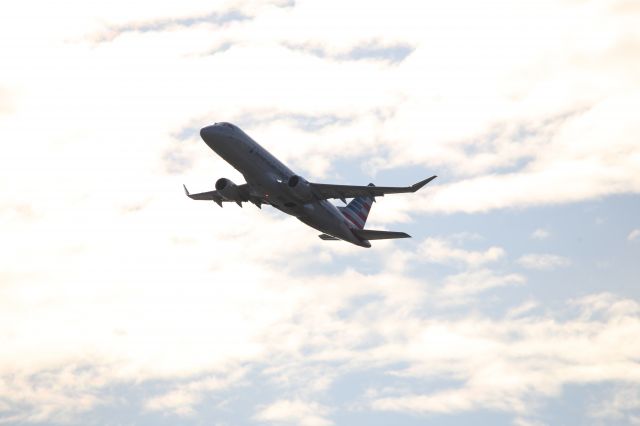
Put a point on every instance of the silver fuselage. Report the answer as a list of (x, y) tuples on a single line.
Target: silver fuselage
[(267, 178)]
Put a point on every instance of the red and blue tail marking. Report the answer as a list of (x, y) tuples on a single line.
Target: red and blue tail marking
[(357, 210)]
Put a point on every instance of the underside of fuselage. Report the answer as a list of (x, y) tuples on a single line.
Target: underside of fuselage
[(331, 222)]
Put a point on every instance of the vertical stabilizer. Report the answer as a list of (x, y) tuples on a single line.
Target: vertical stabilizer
[(357, 210)]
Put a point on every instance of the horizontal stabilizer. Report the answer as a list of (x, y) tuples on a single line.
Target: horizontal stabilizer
[(370, 234), (327, 237)]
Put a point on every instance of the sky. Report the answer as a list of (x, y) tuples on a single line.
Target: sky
[(516, 302)]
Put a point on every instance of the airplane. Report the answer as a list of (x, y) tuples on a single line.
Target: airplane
[(272, 183)]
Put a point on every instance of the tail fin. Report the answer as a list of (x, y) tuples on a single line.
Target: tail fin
[(357, 210)]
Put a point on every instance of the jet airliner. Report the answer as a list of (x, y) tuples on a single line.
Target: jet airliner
[(270, 182)]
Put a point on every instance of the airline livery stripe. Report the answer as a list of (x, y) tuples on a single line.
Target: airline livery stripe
[(359, 211), (359, 205), (359, 208), (353, 220), (357, 221)]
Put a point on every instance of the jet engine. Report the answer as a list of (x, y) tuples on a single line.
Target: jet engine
[(228, 190), (300, 188)]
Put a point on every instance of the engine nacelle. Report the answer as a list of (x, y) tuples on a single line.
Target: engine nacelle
[(300, 188), (228, 190)]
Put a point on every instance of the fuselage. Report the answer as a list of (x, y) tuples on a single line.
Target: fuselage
[(267, 177)]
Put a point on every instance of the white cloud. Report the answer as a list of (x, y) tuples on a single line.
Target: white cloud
[(296, 412), (561, 170), (182, 399), (473, 282), (634, 235), (540, 234), (106, 263), (620, 405), (522, 421), (443, 251), (440, 251), (543, 261), (385, 106), (522, 309), (607, 304), (511, 365), (287, 327)]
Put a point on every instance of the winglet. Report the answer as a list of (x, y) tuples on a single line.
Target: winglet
[(186, 191), (422, 183)]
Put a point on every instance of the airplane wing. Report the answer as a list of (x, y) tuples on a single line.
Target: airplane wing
[(215, 195), (325, 191)]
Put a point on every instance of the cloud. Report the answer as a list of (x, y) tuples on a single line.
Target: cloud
[(605, 304), (522, 421), (512, 365), (522, 309), (182, 399), (562, 170), (473, 282), (169, 24), (176, 162), (440, 251), (634, 235), (57, 395), (296, 412), (540, 234), (6, 101), (106, 264), (371, 50), (496, 155), (168, 18), (622, 404), (543, 261), (296, 331), (446, 402)]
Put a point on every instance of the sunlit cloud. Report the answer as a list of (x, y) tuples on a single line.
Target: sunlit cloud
[(366, 51), (441, 251), (634, 235), (540, 234), (623, 404), (182, 399), (294, 412), (543, 261), (468, 283), (522, 309), (112, 279), (501, 376)]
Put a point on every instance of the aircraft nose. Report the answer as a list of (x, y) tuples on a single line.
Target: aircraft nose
[(207, 133), (212, 136)]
